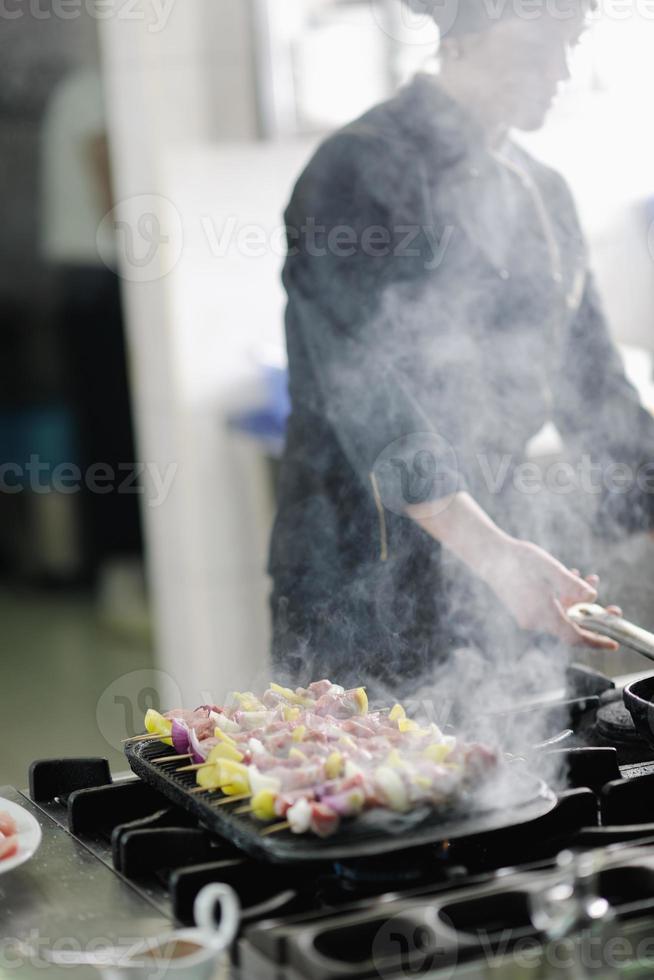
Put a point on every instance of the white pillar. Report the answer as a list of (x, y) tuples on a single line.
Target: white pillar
[(169, 83)]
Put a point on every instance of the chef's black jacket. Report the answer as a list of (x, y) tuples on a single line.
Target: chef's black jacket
[(436, 285)]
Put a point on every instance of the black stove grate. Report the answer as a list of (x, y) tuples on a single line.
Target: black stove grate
[(615, 724), (368, 835), (152, 839)]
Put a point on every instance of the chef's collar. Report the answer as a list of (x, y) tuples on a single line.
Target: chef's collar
[(443, 127)]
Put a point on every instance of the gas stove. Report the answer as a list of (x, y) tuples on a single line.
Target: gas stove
[(120, 861)]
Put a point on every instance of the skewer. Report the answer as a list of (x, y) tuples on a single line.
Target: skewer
[(234, 799), (242, 809), (144, 737), (172, 758), (276, 828), (195, 767), (224, 799)]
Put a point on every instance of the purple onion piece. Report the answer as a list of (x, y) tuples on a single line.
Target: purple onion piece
[(180, 736), (339, 803)]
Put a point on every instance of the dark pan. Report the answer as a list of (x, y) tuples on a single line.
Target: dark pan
[(639, 701), (524, 798)]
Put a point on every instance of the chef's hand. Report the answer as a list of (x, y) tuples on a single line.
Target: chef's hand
[(534, 586), (537, 589)]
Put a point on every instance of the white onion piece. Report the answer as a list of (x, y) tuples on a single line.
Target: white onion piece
[(391, 788), (259, 781), (256, 747), (200, 752), (299, 816), (249, 720), (224, 723)]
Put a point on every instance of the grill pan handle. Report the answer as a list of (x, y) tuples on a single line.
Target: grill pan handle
[(598, 620)]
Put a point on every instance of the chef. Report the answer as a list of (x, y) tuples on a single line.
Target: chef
[(440, 313)]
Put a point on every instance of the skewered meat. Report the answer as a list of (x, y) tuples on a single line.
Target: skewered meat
[(8, 838), (316, 756)]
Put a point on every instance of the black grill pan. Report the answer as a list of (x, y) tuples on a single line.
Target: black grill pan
[(375, 832)]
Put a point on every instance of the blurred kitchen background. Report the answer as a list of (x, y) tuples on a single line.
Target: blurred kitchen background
[(147, 151)]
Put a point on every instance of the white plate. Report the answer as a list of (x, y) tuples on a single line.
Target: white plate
[(29, 834)]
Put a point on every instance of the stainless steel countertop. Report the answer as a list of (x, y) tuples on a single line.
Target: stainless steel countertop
[(68, 896)]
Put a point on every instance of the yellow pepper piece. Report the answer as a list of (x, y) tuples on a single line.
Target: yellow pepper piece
[(423, 782), (247, 701), (263, 805), (334, 764), (290, 714), (233, 789), (394, 759), (284, 692), (291, 696), (347, 742), (299, 733), (437, 752), (361, 699), (156, 724), (234, 778), (407, 725), (356, 800), (297, 754), (208, 777), (232, 768), (396, 713), (223, 736), (225, 751)]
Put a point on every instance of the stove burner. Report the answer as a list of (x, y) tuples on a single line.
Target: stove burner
[(407, 868), (615, 724)]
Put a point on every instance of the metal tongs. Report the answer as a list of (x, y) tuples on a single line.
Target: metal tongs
[(598, 620)]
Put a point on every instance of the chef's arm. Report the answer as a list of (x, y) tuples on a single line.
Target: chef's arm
[(531, 584), (370, 407), (599, 414)]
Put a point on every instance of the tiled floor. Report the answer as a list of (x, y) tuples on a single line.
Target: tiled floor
[(56, 661)]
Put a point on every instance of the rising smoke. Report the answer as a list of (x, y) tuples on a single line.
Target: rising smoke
[(439, 288)]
